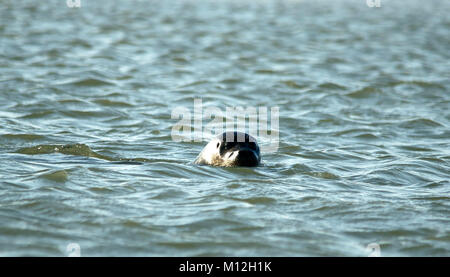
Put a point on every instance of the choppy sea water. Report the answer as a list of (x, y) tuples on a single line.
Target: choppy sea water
[(87, 157)]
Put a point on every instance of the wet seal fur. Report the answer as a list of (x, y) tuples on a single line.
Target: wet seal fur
[(230, 149)]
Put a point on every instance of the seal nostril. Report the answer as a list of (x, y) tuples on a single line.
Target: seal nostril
[(218, 144)]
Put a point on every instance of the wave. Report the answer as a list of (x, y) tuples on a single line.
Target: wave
[(76, 150)]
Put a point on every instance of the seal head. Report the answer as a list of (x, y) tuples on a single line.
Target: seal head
[(231, 149)]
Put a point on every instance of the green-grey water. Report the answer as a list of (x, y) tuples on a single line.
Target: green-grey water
[(87, 156)]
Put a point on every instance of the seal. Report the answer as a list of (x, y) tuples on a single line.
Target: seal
[(231, 149)]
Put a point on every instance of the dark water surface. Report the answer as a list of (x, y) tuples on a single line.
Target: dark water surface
[(87, 157)]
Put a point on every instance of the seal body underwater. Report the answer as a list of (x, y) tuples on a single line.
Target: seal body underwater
[(231, 149)]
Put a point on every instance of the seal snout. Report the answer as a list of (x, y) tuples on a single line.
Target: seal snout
[(242, 153), (246, 157)]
